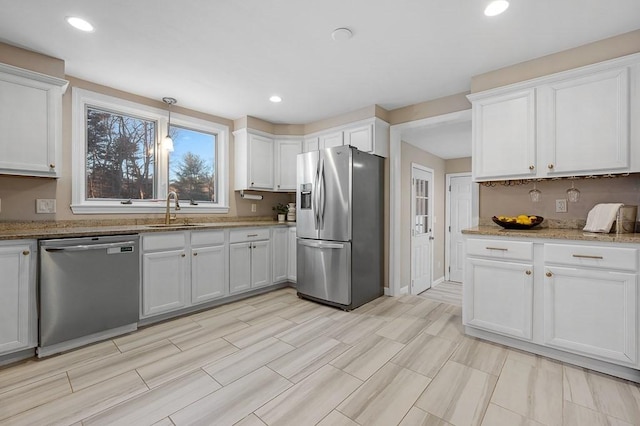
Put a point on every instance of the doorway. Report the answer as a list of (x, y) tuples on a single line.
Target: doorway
[(421, 228), (462, 213)]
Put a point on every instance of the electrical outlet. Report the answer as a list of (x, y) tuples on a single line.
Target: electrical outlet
[(561, 206), (45, 205), (253, 207)]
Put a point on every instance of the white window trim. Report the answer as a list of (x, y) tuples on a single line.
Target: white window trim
[(80, 205)]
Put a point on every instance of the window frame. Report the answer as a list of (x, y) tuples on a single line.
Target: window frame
[(81, 205)]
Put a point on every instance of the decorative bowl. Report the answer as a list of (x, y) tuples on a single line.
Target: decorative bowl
[(515, 225)]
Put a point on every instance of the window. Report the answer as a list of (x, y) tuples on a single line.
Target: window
[(118, 166)]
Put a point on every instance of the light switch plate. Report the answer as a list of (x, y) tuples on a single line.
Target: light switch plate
[(561, 206), (45, 205)]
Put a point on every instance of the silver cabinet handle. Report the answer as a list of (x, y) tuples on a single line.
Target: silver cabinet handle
[(586, 256), (497, 248), (252, 235)]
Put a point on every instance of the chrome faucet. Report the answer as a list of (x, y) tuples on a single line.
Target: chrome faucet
[(167, 216)]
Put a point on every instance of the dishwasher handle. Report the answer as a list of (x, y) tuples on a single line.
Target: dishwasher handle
[(85, 247)]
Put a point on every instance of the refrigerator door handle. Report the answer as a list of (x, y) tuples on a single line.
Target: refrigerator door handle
[(314, 200), (318, 244), (321, 194)]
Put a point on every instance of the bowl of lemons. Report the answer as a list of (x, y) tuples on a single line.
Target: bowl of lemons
[(522, 221)]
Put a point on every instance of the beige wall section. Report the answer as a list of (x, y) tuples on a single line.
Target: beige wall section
[(514, 200), (341, 120), (440, 106), (610, 48), (458, 165), (32, 61), (411, 154)]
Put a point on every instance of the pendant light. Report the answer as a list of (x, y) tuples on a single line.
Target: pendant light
[(496, 7), (167, 143)]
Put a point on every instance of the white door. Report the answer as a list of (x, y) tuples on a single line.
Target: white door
[(421, 228), (460, 216)]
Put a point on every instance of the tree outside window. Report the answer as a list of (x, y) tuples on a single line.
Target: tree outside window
[(192, 165)]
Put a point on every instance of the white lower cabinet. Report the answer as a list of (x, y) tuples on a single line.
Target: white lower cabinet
[(249, 259), (292, 255), (208, 266), (280, 248), (164, 281), (18, 324), (499, 297)]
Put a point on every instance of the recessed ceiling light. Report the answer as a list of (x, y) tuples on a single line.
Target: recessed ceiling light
[(341, 34), (275, 99), (496, 7), (79, 23)]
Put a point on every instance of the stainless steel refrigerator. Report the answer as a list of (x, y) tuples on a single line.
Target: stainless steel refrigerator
[(340, 230)]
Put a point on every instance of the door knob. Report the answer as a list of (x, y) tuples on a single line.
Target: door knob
[(431, 238), (531, 167), (550, 166), (549, 274), (527, 272)]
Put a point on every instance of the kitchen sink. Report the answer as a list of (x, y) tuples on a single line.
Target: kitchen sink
[(173, 225)]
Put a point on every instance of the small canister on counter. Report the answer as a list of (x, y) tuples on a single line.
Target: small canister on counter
[(625, 222)]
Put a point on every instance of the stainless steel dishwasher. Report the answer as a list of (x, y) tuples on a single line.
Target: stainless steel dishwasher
[(89, 290)]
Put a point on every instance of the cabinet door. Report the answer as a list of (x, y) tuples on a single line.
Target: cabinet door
[(279, 239), (292, 261), (260, 162), (239, 267), (584, 124), (286, 154), (592, 313), (260, 263), (360, 137), (331, 140), (15, 288), (164, 282), (504, 144), (311, 144), (208, 273), (499, 297)]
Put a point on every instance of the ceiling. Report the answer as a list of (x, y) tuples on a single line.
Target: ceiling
[(226, 57)]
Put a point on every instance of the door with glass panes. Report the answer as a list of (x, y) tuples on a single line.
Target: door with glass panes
[(421, 228)]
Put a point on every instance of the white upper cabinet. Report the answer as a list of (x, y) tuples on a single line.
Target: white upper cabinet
[(573, 123), (253, 161), (286, 152), (30, 122), (504, 142), (370, 135), (360, 137), (584, 123), (331, 140)]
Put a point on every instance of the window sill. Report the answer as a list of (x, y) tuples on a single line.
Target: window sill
[(147, 207)]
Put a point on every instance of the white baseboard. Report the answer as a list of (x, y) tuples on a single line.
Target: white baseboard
[(437, 282), (404, 290)]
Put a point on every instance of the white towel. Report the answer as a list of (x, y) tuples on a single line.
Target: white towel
[(601, 217)]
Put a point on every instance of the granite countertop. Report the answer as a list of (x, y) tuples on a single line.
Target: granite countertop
[(553, 233), (35, 230)]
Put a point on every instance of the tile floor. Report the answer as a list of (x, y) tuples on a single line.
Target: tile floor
[(277, 359)]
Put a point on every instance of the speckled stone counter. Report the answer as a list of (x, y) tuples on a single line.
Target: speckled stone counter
[(40, 230), (553, 233)]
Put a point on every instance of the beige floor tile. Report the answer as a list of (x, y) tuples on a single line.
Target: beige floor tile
[(155, 333), (355, 329), (254, 333), (418, 417), (85, 403), (34, 370), (336, 418), (319, 394), (307, 331), (498, 416), (532, 392), (37, 393), (250, 420), (389, 309), (609, 395), (100, 370), (305, 311), (157, 404), (301, 362), (268, 296), (424, 308), (247, 360), (212, 316), (403, 329), (458, 394), (281, 297), (447, 326), (261, 314), (534, 360), (577, 415), (386, 397), (367, 356), (410, 299), (174, 366), (164, 422), (207, 333), (235, 401), (483, 356), (426, 354)]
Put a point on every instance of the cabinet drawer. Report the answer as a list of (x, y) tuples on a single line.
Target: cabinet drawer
[(250, 234), (501, 249), (625, 259), (163, 241), (200, 238)]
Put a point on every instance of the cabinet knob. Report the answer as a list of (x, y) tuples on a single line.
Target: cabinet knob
[(26, 252), (550, 166), (195, 254), (251, 183), (531, 167), (182, 255), (527, 272), (52, 166), (278, 186), (549, 274)]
